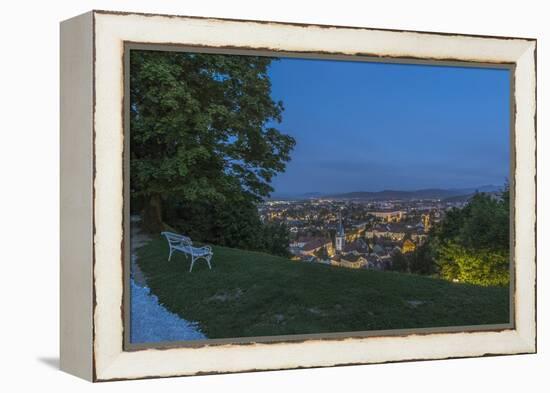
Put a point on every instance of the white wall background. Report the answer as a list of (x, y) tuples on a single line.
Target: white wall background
[(29, 194)]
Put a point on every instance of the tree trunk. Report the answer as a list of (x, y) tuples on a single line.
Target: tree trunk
[(152, 215)]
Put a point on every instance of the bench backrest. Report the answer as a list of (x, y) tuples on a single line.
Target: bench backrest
[(177, 239)]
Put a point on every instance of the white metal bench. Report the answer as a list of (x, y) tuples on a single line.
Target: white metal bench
[(184, 245)]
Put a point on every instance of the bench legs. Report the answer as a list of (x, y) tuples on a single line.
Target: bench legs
[(193, 258), (207, 258)]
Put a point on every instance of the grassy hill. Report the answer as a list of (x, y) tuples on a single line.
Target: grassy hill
[(255, 294)]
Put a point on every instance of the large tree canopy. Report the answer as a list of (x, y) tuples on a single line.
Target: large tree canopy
[(202, 129)]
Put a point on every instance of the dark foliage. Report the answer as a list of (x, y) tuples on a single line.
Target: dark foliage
[(399, 262), (472, 244), (231, 223)]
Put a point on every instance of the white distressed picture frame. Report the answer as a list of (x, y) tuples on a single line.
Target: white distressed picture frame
[(92, 194)]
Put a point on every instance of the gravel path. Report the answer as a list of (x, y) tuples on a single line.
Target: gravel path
[(150, 321), (137, 239)]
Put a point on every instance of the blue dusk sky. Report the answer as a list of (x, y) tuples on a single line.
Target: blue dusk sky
[(373, 126)]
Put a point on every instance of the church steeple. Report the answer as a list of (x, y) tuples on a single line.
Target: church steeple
[(340, 235)]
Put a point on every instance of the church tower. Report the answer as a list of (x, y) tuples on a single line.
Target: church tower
[(426, 221), (340, 235)]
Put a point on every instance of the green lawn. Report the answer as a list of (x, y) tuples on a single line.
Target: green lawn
[(255, 294)]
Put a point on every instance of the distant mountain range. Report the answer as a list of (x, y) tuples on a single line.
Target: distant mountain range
[(456, 194)]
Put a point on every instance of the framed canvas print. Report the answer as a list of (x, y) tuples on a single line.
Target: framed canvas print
[(245, 195)]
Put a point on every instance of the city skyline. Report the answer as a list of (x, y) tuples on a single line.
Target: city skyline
[(376, 126)]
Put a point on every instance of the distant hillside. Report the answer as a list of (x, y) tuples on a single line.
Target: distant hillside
[(467, 197), (459, 198), (429, 193)]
